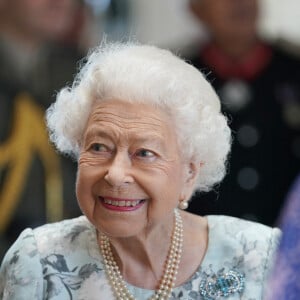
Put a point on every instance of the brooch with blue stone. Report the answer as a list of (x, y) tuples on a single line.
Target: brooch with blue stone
[(223, 284)]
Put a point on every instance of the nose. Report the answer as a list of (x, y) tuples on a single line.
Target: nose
[(118, 171)]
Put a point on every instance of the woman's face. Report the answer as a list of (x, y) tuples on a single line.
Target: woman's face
[(131, 175)]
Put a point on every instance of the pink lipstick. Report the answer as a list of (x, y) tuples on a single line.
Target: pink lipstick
[(121, 204)]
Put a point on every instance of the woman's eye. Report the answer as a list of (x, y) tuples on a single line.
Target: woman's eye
[(99, 147), (144, 153)]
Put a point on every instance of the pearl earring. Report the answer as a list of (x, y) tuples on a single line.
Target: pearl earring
[(183, 204)]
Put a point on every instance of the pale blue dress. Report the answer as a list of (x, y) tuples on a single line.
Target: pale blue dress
[(61, 261)]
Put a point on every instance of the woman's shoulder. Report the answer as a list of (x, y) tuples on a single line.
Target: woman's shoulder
[(242, 244), (239, 254), (236, 228), (64, 226), (54, 236), (228, 221), (243, 235), (238, 258), (64, 237), (64, 248)]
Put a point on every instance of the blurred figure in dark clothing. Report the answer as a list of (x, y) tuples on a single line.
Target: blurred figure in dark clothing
[(259, 86), (38, 54), (34, 44)]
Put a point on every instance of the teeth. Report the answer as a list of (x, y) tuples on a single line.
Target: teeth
[(122, 202)]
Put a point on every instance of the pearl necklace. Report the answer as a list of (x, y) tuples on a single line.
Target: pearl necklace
[(168, 279)]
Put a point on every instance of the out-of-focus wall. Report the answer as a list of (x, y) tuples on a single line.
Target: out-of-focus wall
[(168, 23), (165, 23), (281, 19)]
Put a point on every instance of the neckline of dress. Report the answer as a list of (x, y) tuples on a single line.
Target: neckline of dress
[(210, 225)]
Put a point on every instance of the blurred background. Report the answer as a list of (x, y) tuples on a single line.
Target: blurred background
[(171, 24), (43, 41)]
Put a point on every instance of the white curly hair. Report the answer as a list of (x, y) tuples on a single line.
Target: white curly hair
[(146, 74)]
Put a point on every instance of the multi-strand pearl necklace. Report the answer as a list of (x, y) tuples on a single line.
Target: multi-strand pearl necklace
[(168, 279)]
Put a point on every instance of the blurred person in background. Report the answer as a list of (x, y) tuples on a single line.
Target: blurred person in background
[(284, 280), (259, 88), (37, 38), (39, 50)]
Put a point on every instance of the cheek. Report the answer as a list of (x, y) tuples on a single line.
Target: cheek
[(87, 176), (89, 171), (82, 192), (174, 173), (81, 183), (175, 182), (165, 184)]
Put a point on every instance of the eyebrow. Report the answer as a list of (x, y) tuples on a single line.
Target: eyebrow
[(93, 131), (150, 137), (144, 138)]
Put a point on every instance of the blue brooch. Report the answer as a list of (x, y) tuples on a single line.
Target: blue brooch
[(222, 284)]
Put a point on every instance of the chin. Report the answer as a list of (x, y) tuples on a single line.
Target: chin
[(118, 227), (119, 232)]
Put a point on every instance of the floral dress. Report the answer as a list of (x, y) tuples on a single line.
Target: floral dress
[(62, 261)]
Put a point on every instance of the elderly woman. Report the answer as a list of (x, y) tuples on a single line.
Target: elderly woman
[(146, 130)]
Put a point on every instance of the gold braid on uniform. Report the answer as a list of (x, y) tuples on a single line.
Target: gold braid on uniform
[(28, 138)]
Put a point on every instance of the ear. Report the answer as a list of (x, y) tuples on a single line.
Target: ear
[(191, 174)]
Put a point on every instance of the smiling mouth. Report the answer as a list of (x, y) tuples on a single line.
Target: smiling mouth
[(118, 204), (122, 203)]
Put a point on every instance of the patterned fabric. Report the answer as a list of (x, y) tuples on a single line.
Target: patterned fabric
[(62, 261)]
